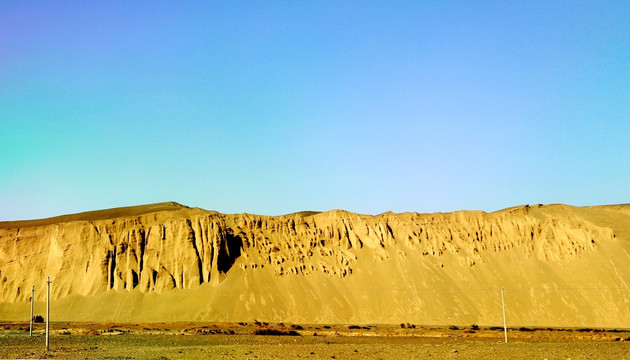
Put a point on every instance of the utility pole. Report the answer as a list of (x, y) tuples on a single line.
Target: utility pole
[(504, 322), (48, 282), (32, 300)]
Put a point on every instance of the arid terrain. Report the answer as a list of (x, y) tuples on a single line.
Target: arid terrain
[(282, 341), (167, 281), (560, 266)]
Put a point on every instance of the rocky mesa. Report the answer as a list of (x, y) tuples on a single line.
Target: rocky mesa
[(559, 265)]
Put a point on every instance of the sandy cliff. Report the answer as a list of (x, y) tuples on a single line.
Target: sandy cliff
[(560, 265)]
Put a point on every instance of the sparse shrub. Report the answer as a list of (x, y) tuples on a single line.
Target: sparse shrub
[(525, 329), (275, 332), (326, 327), (453, 327), (496, 328), (297, 327), (38, 319), (474, 327), (403, 326)]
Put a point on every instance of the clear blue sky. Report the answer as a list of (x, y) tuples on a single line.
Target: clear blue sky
[(272, 107)]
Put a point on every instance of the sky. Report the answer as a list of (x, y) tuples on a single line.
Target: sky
[(273, 107)]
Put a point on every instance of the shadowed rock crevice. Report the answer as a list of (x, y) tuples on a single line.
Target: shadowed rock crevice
[(230, 252), (112, 267), (134, 279), (142, 246)]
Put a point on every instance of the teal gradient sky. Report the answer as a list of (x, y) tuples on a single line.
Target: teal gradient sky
[(276, 107)]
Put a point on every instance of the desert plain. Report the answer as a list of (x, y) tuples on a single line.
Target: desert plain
[(282, 341)]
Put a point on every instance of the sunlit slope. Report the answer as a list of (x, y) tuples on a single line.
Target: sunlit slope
[(559, 265), (96, 215)]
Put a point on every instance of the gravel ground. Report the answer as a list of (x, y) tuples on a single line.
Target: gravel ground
[(204, 341), (306, 347)]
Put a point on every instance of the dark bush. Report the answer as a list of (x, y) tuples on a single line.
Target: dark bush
[(354, 327), (38, 319), (275, 332), (453, 327), (474, 327)]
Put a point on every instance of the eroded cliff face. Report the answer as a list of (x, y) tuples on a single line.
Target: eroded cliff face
[(155, 252), (182, 249)]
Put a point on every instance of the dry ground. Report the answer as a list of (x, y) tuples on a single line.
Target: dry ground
[(237, 341)]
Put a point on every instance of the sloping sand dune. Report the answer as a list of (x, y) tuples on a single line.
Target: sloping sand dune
[(559, 265)]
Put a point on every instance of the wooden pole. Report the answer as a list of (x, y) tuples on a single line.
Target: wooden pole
[(504, 322), (31, 321), (48, 313)]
